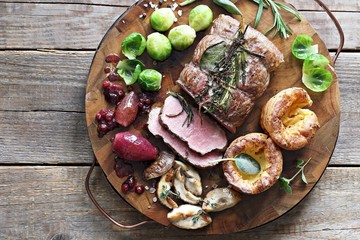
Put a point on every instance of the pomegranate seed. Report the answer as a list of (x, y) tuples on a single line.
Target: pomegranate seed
[(147, 101), (125, 187), (98, 116), (140, 105), (139, 189), (106, 121)]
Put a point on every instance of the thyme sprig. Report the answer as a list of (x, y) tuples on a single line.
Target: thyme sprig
[(196, 217), (185, 108), (167, 192), (285, 182), (279, 25)]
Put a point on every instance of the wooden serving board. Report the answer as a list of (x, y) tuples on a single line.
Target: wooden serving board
[(252, 211)]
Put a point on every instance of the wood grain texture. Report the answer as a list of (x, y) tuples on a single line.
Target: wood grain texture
[(42, 202), (81, 26), (326, 106)]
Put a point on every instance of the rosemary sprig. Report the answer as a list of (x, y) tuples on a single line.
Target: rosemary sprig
[(285, 182), (279, 25), (185, 107)]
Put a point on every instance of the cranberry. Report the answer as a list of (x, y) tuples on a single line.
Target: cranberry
[(144, 103), (139, 189), (106, 121), (122, 169), (107, 70), (112, 58), (125, 187), (113, 77), (131, 181), (113, 92)]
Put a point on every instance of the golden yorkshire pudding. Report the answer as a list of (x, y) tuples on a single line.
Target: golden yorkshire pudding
[(257, 166), (289, 125)]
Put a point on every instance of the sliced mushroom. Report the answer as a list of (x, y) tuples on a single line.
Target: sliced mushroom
[(189, 217), (193, 179), (163, 190), (179, 185), (220, 199), (160, 166)]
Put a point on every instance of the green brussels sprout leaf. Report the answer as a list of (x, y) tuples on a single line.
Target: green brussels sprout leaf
[(301, 47), (150, 80), (181, 37), (133, 45), (129, 70), (317, 79), (200, 17), (315, 61)]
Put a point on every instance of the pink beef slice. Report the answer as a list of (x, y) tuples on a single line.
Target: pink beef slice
[(180, 147), (202, 134)]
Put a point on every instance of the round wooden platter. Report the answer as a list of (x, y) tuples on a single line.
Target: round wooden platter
[(252, 211)]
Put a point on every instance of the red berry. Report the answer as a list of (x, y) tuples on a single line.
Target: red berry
[(125, 187), (131, 181), (106, 84), (112, 58), (139, 189), (140, 105), (113, 77), (107, 69), (147, 101)]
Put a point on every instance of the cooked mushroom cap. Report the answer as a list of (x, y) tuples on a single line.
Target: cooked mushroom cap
[(287, 123), (220, 199), (164, 189), (262, 149), (192, 180), (160, 166), (179, 185), (189, 217)]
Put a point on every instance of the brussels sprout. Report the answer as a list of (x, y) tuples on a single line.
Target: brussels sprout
[(158, 46), (182, 37), (162, 19), (317, 79), (200, 17), (301, 47), (133, 45), (129, 70), (315, 76), (150, 80)]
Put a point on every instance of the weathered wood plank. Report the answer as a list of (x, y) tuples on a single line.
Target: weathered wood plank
[(35, 80), (334, 5), (24, 132), (42, 202), (44, 137), (79, 26)]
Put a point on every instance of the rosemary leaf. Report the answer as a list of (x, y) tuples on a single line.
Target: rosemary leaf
[(290, 10), (259, 12), (185, 107)]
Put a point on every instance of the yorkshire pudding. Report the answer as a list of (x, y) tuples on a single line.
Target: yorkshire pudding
[(289, 125), (252, 151)]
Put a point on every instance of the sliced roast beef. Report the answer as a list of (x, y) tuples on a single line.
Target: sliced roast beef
[(179, 146), (201, 134), (228, 92)]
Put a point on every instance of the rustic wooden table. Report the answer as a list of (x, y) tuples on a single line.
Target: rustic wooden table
[(46, 48)]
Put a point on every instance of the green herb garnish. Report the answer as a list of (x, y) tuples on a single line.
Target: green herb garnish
[(245, 163), (185, 108), (279, 25), (196, 217), (167, 192), (285, 182)]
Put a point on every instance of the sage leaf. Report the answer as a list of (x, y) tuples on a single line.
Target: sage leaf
[(247, 164), (212, 56)]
